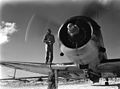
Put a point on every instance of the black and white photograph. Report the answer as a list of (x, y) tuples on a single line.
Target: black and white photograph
[(59, 44)]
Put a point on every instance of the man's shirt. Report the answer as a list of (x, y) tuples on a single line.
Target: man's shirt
[(49, 40)]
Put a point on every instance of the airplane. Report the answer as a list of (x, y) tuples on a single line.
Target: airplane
[(80, 39)]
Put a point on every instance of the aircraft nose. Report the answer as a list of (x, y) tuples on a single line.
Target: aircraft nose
[(75, 32)]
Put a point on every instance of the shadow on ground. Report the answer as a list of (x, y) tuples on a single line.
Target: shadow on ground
[(110, 85)]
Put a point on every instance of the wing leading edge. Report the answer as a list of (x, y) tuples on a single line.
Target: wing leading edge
[(111, 65), (28, 66), (67, 70)]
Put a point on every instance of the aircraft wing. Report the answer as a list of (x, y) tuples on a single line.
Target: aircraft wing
[(66, 70), (24, 78), (28, 66), (111, 65)]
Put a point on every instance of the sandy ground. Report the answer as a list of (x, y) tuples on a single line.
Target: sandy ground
[(67, 87), (72, 86)]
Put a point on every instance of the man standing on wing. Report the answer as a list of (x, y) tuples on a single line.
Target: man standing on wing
[(49, 40)]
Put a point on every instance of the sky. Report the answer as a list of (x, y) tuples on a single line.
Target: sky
[(36, 17)]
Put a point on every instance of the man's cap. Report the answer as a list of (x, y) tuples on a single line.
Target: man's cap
[(49, 30)]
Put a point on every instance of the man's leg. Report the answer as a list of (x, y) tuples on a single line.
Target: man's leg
[(51, 57), (47, 57)]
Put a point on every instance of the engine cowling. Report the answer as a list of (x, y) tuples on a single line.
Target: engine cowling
[(79, 38), (76, 32)]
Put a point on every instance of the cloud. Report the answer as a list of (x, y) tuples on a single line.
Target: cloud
[(6, 29)]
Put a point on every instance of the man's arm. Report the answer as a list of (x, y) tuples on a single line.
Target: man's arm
[(45, 39)]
